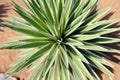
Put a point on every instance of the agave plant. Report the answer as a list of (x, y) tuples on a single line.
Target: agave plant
[(63, 39)]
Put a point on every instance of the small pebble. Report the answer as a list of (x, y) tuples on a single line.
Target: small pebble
[(1, 28), (6, 77)]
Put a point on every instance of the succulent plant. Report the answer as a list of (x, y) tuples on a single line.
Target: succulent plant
[(62, 39)]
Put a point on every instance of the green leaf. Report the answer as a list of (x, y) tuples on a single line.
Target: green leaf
[(77, 54), (103, 31), (54, 10), (51, 73), (19, 19), (57, 71), (64, 56), (85, 37), (108, 23), (90, 5), (25, 30), (36, 9), (95, 47), (17, 38), (62, 74), (81, 66), (76, 23), (22, 45), (23, 25), (59, 5), (73, 42), (74, 77), (36, 74), (36, 39), (77, 70), (101, 54), (67, 73), (24, 56), (93, 56), (28, 5), (53, 52), (106, 40), (30, 45), (48, 11), (99, 25), (28, 17), (92, 72), (16, 23), (37, 63), (75, 5), (97, 15), (29, 60), (90, 46), (79, 8), (65, 15), (101, 67), (67, 11)]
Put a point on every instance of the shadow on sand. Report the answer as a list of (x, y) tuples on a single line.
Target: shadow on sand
[(3, 10)]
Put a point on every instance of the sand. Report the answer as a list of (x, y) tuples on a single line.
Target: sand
[(9, 56)]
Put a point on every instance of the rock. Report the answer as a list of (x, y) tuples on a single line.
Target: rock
[(1, 28), (6, 77)]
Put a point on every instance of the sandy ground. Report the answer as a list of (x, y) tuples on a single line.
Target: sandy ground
[(9, 56)]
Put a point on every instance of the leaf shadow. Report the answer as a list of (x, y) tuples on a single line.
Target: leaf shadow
[(107, 17), (3, 10), (112, 56)]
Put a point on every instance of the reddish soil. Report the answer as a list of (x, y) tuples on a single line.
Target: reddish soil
[(9, 56)]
